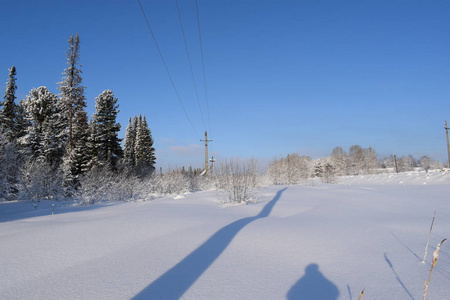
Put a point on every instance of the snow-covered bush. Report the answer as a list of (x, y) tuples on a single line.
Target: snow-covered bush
[(172, 182), (42, 181), (293, 169), (101, 184), (237, 181), (340, 161)]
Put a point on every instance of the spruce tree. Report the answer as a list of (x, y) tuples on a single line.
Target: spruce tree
[(143, 149), (11, 161), (77, 156), (106, 140), (8, 114), (22, 122), (10, 167), (43, 141), (150, 153), (128, 145), (72, 92)]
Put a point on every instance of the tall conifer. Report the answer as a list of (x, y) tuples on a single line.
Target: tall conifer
[(43, 140), (107, 142), (143, 149), (72, 91), (128, 145), (8, 114), (77, 156)]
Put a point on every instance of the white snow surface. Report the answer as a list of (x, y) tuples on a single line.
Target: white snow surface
[(297, 242)]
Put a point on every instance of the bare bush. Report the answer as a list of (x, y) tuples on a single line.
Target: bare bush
[(101, 184), (237, 181), (172, 182)]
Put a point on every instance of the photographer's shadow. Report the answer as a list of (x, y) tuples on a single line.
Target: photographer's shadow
[(313, 286)]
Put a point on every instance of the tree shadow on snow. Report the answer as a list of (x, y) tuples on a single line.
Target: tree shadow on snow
[(313, 286), (21, 210), (176, 281)]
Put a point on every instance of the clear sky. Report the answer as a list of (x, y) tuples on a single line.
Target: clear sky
[(298, 76)]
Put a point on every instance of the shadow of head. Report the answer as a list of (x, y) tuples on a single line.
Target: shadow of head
[(313, 285)]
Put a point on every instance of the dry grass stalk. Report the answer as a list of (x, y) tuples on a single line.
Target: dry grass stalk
[(361, 295), (428, 240), (435, 259)]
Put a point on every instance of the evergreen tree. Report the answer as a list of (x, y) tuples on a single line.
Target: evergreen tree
[(8, 117), (150, 153), (72, 92), (10, 158), (93, 145), (46, 126), (129, 143), (77, 156), (10, 167), (105, 137), (143, 148), (22, 122)]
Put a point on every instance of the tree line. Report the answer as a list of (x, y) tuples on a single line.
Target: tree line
[(295, 168), (48, 142)]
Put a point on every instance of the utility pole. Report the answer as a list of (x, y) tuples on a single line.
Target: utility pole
[(448, 145), (212, 160), (288, 170), (206, 151), (396, 166), (370, 160)]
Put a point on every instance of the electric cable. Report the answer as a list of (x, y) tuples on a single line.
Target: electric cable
[(190, 64), (165, 66), (203, 67), (203, 70)]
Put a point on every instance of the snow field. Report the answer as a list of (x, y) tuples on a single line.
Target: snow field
[(346, 237)]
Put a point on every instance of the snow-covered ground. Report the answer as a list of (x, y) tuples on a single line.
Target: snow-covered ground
[(407, 178), (298, 242)]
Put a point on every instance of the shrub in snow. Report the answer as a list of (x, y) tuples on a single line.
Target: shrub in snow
[(172, 182), (42, 181), (428, 163), (101, 184), (293, 169), (328, 175), (325, 170), (340, 161), (237, 181)]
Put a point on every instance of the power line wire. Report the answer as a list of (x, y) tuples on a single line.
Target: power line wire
[(190, 63), (165, 66), (203, 67)]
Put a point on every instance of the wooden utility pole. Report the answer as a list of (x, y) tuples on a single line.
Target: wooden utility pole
[(396, 166), (288, 170), (206, 151), (448, 145), (212, 160)]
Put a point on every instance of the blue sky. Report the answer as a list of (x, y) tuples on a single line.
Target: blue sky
[(298, 76)]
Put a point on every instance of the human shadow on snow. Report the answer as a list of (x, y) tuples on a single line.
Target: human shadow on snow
[(176, 281), (313, 286)]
